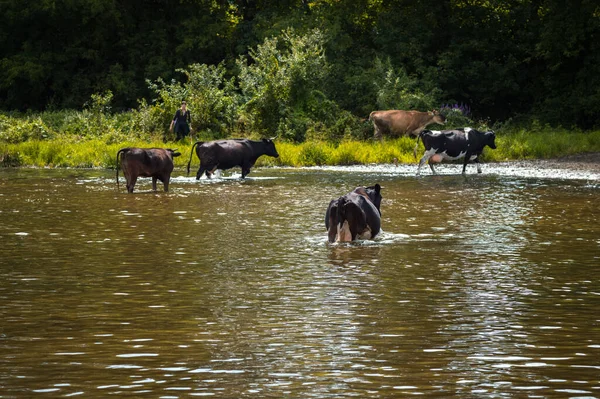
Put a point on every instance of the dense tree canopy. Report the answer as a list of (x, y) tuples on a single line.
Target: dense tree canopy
[(505, 59)]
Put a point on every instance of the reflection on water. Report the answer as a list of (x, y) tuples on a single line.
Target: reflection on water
[(480, 287)]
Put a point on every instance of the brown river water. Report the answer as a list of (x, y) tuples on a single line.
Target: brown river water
[(484, 286)]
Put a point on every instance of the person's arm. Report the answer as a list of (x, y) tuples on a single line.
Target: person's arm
[(189, 117), (173, 121)]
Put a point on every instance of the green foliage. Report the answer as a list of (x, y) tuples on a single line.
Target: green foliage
[(397, 90), (211, 98), (349, 152), (300, 69), (16, 130), (313, 153), (539, 142), (279, 83), (59, 53), (455, 118)]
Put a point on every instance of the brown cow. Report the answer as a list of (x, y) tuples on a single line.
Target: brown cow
[(146, 162), (399, 123)]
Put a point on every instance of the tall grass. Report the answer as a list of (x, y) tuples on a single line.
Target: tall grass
[(97, 153), (542, 144)]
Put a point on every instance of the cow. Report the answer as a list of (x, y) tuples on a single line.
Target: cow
[(399, 123), (356, 215), (459, 143), (227, 154), (146, 162)]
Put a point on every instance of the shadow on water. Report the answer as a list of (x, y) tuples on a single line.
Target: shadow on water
[(478, 286)]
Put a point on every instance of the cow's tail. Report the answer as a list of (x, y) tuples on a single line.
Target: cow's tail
[(417, 144), (121, 151), (191, 154)]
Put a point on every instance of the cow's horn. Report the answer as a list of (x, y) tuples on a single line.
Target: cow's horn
[(274, 138)]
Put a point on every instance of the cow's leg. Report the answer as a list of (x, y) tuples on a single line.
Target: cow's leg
[(478, 165), (377, 134), (431, 167), (465, 162), (154, 178), (201, 171), (416, 132), (245, 172), (131, 183), (424, 159), (331, 220), (210, 172), (165, 181)]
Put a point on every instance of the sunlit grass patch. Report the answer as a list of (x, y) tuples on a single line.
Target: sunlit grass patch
[(98, 153), (524, 144)]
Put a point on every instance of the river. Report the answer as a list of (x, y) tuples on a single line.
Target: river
[(480, 286)]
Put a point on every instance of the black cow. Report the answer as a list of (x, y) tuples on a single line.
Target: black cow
[(355, 215), (464, 143), (146, 162), (226, 154)]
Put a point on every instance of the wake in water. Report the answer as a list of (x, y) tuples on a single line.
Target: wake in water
[(508, 169), (218, 177), (383, 238)]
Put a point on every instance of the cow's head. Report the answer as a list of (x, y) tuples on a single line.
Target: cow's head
[(174, 153), (490, 139), (374, 194), (437, 117), (270, 148)]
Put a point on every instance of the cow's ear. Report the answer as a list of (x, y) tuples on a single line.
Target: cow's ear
[(377, 188)]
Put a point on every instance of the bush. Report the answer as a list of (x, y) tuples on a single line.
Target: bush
[(279, 82), (313, 154), (17, 130), (9, 157), (457, 115), (397, 90), (211, 98)]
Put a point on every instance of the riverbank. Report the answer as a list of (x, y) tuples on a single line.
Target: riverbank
[(552, 149), (588, 161)]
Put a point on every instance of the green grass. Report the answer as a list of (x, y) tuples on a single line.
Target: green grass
[(544, 144), (97, 153)]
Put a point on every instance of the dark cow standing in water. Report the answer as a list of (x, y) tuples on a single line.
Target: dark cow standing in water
[(226, 154), (400, 123), (464, 143), (355, 215), (146, 162)]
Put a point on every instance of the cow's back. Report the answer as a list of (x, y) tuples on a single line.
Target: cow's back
[(226, 153), (444, 140), (399, 122), (389, 121), (146, 162), (133, 160)]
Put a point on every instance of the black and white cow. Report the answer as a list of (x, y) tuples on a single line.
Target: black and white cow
[(355, 215), (454, 144)]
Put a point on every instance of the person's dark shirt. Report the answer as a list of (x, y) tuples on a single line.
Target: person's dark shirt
[(181, 118)]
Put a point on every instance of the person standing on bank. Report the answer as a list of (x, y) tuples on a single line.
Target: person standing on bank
[(182, 121)]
